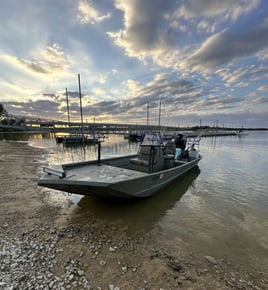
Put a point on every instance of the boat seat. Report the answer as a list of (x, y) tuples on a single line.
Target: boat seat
[(143, 157), (169, 150)]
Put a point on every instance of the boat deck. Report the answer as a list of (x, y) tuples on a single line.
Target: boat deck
[(101, 173)]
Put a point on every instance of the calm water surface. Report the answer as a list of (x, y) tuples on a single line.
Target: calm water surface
[(218, 209), (226, 207)]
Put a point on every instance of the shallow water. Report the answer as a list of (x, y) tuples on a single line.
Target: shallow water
[(218, 209), (226, 208)]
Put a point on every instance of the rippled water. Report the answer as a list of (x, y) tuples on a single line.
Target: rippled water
[(219, 208), (226, 207)]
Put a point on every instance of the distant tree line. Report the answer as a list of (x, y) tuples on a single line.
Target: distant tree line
[(197, 128)]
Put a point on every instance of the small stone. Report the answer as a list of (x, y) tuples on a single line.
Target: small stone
[(124, 269), (80, 272), (175, 265), (112, 287), (51, 284), (211, 260), (71, 277)]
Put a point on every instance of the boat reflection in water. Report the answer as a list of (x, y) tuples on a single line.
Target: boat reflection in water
[(138, 215)]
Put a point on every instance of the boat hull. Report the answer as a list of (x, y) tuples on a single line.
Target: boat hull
[(108, 180)]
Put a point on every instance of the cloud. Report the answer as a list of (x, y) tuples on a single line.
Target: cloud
[(169, 88), (263, 89), (49, 60), (261, 101), (227, 46), (88, 14), (44, 108), (243, 75), (263, 55), (213, 103), (229, 9), (144, 30), (197, 57), (156, 30)]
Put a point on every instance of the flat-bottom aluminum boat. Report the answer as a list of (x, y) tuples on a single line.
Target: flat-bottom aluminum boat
[(141, 175)]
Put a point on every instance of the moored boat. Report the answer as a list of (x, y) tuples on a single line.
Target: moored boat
[(241, 133), (76, 139), (140, 175)]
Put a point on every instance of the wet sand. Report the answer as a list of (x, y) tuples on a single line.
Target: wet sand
[(47, 244)]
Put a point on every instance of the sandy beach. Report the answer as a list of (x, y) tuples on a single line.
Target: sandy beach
[(44, 245)]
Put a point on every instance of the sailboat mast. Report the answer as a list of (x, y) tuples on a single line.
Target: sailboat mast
[(68, 110), (159, 120), (81, 110), (148, 115)]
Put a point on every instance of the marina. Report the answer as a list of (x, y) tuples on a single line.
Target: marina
[(133, 145)]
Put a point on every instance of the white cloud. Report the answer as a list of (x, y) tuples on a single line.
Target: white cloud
[(227, 46), (263, 89), (88, 14), (156, 31), (229, 9), (48, 60), (263, 55), (206, 26), (144, 33), (246, 75)]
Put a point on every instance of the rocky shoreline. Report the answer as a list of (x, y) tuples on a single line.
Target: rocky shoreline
[(93, 257), (41, 248)]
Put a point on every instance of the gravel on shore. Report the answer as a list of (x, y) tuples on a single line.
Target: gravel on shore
[(94, 257)]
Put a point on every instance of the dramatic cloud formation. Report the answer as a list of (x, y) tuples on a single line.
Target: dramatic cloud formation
[(225, 46), (204, 59)]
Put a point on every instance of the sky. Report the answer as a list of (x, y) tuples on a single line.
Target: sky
[(204, 60)]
